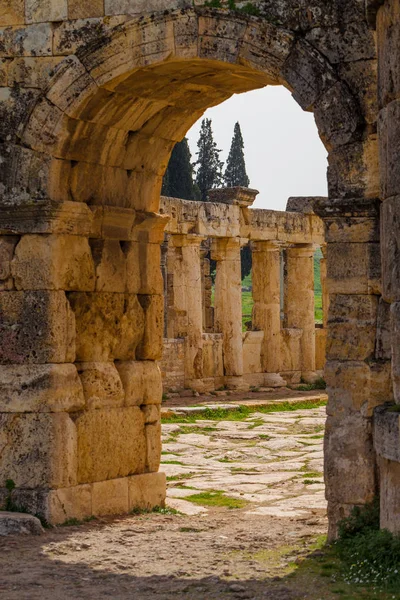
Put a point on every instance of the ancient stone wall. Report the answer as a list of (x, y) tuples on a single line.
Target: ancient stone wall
[(282, 346), (94, 96), (386, 432)]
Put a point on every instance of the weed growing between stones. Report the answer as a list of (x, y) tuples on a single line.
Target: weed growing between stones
[(76, 522), (241, 413)]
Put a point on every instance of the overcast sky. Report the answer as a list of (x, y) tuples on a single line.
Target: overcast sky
[(284, 155)]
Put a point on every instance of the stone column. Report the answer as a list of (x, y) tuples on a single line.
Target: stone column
[(324, 287), (191, 283), (228, 306), (300, 304), (267, 306)]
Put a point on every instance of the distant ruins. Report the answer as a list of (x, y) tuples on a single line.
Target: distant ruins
[(93, 97), (205, 348)]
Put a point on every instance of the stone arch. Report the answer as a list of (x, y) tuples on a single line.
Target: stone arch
[(126, 92), (98, 131)]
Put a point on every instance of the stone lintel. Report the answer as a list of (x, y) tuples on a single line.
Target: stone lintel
[(239, 196)]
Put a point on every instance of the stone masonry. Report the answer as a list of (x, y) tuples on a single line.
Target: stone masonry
[(93, 97), (214, 350)]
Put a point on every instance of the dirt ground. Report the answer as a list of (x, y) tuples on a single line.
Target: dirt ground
[(262, 550)]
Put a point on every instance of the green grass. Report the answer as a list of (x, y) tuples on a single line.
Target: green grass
[(216, 498), (160, 510), (241, 413), (181, 477), (247, 297)]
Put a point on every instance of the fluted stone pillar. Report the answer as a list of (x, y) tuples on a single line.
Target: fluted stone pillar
[(228, 307), (267, 306), (190, 281), (300, 303)]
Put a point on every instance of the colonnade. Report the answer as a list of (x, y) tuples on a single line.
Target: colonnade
[(283, 319)]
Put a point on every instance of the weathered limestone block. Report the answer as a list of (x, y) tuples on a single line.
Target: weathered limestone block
[(69, 503), (361, 77), (38, 450), (353, 170), (389, 477), (395, 333), (32, 40), (351, 42), (381, 385), (291, 349), (49, 337), (143, 268), (308, 74), (348, 386), (110, 266), (102, 386), (352, 327), (141, 381), (153, 442), (349, 460), (389, 148), (337, 116), (98, 185), (151, 344), (30, 71), (110, 497), (13, 523), (12, 12), (40, 388), (252, 344), (390, 236), (90, 8), (320, 348), (147, 491), (111, 443), (386, 433), (54, 262), (152, 413), (108, 325), (14, 105), (354, 268), (383, 349), (388, 51), (37, 11)]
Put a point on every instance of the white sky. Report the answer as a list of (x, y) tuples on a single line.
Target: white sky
[(284, 155)]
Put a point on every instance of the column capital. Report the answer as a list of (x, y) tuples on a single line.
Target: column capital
[(184, 240), (266, 246), (302, 250), (226, 248)]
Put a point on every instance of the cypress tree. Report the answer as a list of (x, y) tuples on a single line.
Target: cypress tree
[(209, 166), (178, 178), (235, 173)]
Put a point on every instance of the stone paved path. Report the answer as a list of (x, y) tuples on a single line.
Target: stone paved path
[(269, 462), (273, 462)]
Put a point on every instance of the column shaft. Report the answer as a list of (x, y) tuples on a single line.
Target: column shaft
[(228, 302), (190, 282), (299, 300), (267, 302)]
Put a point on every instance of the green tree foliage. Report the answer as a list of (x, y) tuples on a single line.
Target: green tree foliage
[(235, 173), (246, 261), (178, 179), (209, 166)]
